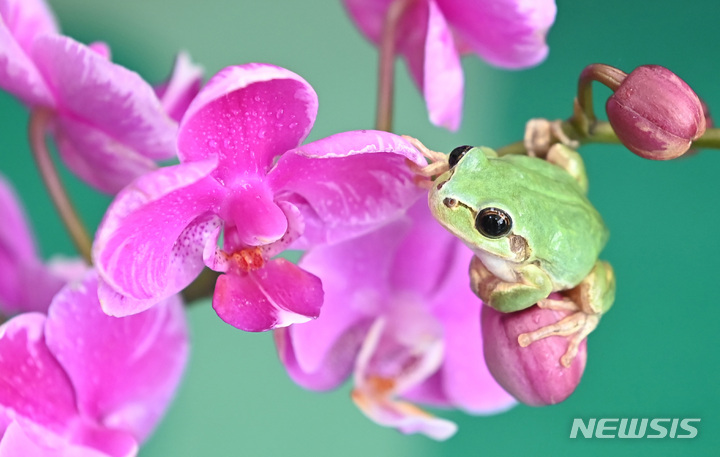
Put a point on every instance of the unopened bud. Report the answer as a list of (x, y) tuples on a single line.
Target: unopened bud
[(656, 114), (532, 374)]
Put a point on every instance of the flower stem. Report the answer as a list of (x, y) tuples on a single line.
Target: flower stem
[(386, 65), (202, 287), (605, 74), (36, 130), (602, 132)]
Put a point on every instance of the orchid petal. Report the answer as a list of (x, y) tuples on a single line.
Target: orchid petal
[(34, 288), (369, 16), (352, 181), (106, 96), (253, 215), (430, 392), (97, 158), (32, 383), (125, 370), (16, 239), (355, 281), (108, 441), (17, 249), (25, 284), (88, 441), (18, 73), (150, 244), (385, 367), (277, 295), (177, 92), (295, 229), (506, 33), (442, 77), (467, 381), (27, 19), (16, 442), (340, 358), (246, 115), (101, 48), (425, 235), (425, 39), (403, 416)]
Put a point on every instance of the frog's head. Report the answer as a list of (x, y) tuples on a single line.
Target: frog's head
[(468, 200)]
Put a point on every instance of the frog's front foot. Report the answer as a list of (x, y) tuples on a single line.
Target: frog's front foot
[(576, 326), (438, 161)]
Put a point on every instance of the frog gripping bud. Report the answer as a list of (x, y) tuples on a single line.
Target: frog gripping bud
[(656, 114), (532, 374)]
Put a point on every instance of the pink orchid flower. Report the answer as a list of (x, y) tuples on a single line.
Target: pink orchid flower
[(79, 382), (181, 87), (243, 173), (400, 317), (26, 283), (432, 34), (108, 124)]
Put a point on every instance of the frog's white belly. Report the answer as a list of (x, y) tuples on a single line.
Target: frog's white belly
[(501, 268)]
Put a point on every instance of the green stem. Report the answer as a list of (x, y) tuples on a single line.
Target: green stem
[(386, 65), (602, 132), (39, 119), (202, 287), (605, 74)]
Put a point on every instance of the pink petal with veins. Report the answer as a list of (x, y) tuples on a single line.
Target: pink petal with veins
[(106, 96), (246, 115), (26, 284), (352, 181), (506, 33), (31, 379), (151, 242), (340, 359), (18, 73), (16, 240), (125, 370), (423, 234), (277, 295), (466, 378), (368, 16), (97, 158), (181, 87), (18, 442), (355, 277), (443, 80), (27, 19)]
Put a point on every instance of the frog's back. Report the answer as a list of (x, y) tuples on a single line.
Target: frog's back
[(550, 205)]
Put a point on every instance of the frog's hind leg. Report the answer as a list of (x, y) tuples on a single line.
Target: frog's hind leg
[(588, 301)]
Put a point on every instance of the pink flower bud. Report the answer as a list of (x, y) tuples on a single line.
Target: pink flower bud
[(533, 374), (656, 114)]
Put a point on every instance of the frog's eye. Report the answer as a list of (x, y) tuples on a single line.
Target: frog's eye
[(493, 223), (457, 154)]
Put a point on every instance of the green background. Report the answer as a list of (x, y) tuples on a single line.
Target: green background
[(654, 355)]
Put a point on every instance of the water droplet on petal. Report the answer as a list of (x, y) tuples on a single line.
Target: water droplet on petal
[(261, 133)]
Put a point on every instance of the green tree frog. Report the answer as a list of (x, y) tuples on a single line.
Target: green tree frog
[(532, 230)]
